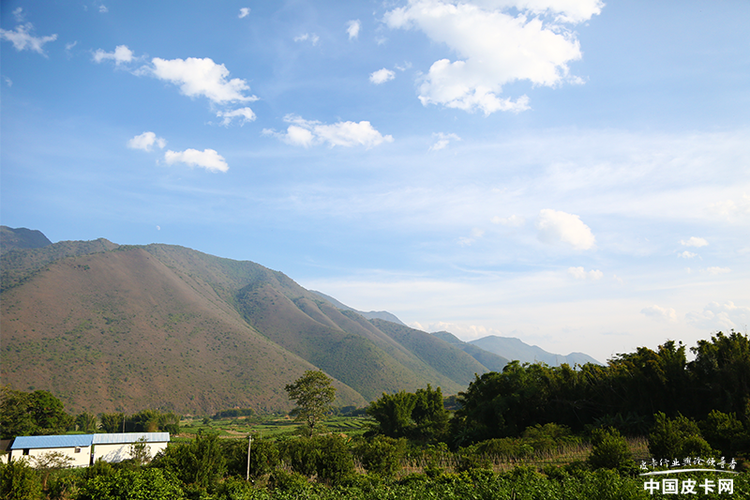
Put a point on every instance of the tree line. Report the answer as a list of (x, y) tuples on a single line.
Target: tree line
[(698, 408)]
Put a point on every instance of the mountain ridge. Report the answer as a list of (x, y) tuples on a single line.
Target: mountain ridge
[(110, 327)]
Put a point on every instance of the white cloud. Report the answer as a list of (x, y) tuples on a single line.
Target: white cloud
[(245, 114), (121, 54), (555, 226), (499, 42), (69, 46), (145, 141), (660, 313), (201, 77), (580, 273), (8, 81), (244, 12), (208, 159), (307, 36), (22, 39), (103, 9), (382, 76), (306, 133), (443, 140), (687, 255), (512, 221), (733, 210), (715, 316), (352, 28), (19, 14), (476, 233), (694, 242), (717, 270)]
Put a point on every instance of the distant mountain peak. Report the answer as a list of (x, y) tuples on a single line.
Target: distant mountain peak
[(515, 349)]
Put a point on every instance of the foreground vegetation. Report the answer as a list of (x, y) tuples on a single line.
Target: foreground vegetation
[(529, 432)]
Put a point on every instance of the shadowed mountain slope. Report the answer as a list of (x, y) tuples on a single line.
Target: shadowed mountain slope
[(385, 315), (21, 237)]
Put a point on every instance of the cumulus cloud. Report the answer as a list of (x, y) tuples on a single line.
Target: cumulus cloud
[(103, 9), (382, 76), (580, 273), (146, 141), (715, 316), (121, 54), (555, 226), (443, 140), (687, 255), (352, 28), (498, 42), (19, 14), (512, 221), (22, 39), (694, 242), (306, 133), (307, 36), (245, 115), (201, 77), (244, 12), (208, 159), (660, 313)]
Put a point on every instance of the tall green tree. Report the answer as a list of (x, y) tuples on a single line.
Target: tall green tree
[(35, 413), (314, 396), (420, 416)]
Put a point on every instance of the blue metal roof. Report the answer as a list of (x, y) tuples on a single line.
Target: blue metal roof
[(131, 437), (73, 441)]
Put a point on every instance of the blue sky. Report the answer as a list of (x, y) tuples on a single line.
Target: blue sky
[(570, 172)]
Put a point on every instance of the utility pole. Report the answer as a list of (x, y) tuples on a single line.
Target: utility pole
[(249, 444)]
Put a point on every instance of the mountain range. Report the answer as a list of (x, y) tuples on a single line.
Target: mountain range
[(108, 327)]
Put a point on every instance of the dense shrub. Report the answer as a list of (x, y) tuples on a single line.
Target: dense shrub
[(264, 457), (151, 484), (326, 456), (677, 438), (609, 450), (381, 455), (200, 462), (19, 481)]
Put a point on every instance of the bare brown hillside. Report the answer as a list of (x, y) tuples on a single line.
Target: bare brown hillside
[(120, 330), (131, 327)]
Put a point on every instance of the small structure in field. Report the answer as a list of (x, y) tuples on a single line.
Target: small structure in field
[(84, 449)]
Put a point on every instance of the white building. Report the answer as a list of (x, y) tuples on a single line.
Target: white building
[(84, 449), (77, 447), (117, 447)]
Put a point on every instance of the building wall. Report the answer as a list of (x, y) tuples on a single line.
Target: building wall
[(80, 458), (120, 452)]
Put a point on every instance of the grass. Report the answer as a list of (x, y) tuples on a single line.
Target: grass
[(267, 426)]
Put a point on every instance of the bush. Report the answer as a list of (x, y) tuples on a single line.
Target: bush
[(677, 438), (725, 432), (289, 481), (200, 462), (335, 461), (19, 481), (264, 457), (153, 484), (381, 455), (609, 450)]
